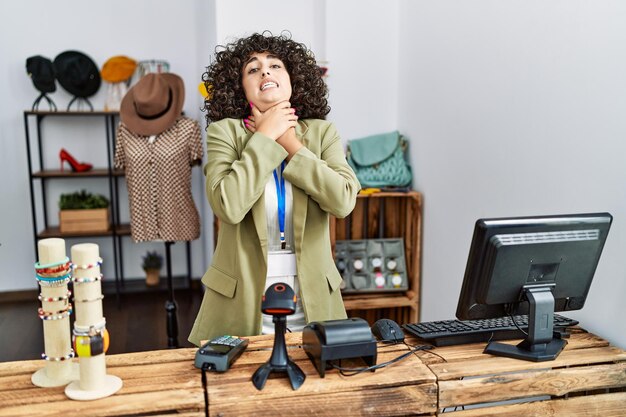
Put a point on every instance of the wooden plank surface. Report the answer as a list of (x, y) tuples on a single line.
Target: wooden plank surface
[(507, 386), (405, 387), (487, 364), (119, 404), (463, 353), (388, 401), (163, 382), (607, 405), (157, 382), (381, 301), (467, 376)]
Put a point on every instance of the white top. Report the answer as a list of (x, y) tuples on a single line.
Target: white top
[(281, 263)]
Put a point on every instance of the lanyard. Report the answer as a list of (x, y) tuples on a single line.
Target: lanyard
[(280, 196)]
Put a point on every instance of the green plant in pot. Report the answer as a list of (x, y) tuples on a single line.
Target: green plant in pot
[(152, 263), (82, 200), (81, 212)]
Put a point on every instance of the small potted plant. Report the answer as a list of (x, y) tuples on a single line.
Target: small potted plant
[(83, 212), (152, 263)]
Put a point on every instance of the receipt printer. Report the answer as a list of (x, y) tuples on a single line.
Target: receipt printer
[(338, 339)]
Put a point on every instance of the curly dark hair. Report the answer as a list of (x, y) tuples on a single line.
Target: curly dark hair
[(223, 77)]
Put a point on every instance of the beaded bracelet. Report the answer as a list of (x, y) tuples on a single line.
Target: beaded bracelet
[(42, 312), (60, 358), (83, 280), (58, 283), (88, 300), (53, 270), (56, 316), (58, 274), (87, 266), (53, 299), (53, 278), (52, 264), (90, 330), (49, 272)]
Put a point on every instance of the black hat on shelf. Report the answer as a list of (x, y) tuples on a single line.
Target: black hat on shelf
[(77, 73), (41, 72)]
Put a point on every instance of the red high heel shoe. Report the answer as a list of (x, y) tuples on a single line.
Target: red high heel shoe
[(76, 166)]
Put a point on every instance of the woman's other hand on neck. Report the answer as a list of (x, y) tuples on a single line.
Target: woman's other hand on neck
[(290, 142), (276, 120)]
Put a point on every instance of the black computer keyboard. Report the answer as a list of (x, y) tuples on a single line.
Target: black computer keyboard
[(457, 332)]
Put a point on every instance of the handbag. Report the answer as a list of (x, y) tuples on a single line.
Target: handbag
[(380, 160)]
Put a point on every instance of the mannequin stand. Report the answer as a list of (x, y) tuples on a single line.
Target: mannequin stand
[(170, 304)]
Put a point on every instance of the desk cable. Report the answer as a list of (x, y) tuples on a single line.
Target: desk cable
[(355, 371), (517, 325), (425, 348), (205, 388)]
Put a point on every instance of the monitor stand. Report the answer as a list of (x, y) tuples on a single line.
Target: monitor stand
[(540, 344)]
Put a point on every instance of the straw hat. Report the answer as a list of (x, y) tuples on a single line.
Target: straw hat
[(153, 104), (118, 68)]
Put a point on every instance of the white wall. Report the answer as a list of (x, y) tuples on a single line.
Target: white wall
[(515, 108), (177, 32), (238, 18), (346, 43), (362, 46)]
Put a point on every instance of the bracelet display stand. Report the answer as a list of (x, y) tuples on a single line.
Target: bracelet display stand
[(53, 274), (91, 338)]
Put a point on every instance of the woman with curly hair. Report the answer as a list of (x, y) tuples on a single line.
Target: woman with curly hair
[(276, 170)]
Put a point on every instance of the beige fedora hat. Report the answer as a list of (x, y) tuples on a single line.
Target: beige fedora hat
[(153, 104)]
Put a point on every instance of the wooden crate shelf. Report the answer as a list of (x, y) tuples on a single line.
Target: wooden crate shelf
[(386, 215)]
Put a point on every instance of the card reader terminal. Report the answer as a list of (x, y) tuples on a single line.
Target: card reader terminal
[(218, 354)]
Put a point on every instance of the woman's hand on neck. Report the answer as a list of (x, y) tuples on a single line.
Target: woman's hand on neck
[(290, 142), (276, 120)]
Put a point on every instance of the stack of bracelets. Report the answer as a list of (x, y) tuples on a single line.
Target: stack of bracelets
[(55, 274), (92, 340)]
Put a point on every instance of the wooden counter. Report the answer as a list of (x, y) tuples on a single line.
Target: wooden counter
[(407, 387), (587, 379), (158, 382)]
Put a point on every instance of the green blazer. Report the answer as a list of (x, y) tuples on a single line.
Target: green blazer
[(239, 165)]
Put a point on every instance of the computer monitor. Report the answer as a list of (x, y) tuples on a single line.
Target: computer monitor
[(531, 265)]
